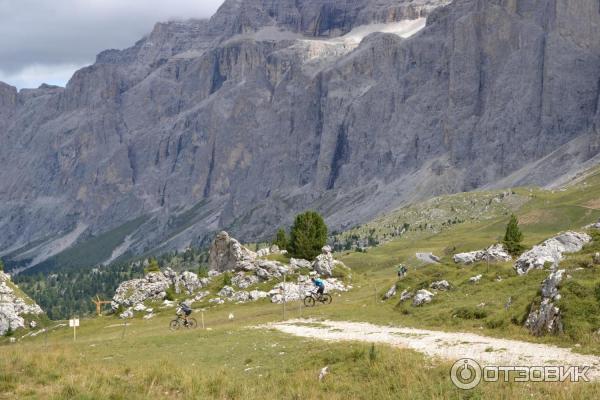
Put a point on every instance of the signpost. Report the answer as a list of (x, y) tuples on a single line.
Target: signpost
[(74, 323)]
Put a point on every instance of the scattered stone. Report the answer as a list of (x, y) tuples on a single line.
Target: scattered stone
[(390, 293), (243, 281), (428, 258), (263, 252), (551, 251), (300, 263), (201, 295), (422, 297), (32, 324), (495, 253), (168, 304), (149, 316), (440, 285), (475, 279), (241, 297), (257, 294), (405, 295), (481, 305), (324, 371), (227, 292), (216, 300), (139, 307), (126, 314)]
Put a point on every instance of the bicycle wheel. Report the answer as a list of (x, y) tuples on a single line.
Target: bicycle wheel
[(309, 301), (326, 298), (174, 325), (192, 323)]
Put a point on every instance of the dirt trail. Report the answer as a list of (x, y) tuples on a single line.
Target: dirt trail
[(448, 345)]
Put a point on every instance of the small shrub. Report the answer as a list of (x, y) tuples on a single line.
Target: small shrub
[(495, 323), (372, 353), (9, 332), (513, 237), (470, 313), (170, 294), (203, 271), (152, 266), (597, 292), (226, 279)]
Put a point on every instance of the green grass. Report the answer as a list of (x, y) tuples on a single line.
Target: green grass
[(233, 361)]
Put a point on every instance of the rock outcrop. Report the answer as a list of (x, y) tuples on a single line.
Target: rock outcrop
[(545, 317), (154, 285), (15, 310), (227, 254), (550, 252), (273, 107), (493, 253)]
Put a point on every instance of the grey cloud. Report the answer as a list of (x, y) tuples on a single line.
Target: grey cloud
[(50, 35)]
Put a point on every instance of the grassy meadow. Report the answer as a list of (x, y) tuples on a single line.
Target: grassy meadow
[(232, 360)]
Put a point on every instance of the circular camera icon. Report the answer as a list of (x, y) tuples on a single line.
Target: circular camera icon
[(466, 374)]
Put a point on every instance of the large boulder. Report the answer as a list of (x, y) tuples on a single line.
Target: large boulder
[(493, 253), (440, 285), (422, 297), (551, 251), (324, 263), (227, 254), (390, 293)]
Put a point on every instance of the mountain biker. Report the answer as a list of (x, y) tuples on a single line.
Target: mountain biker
[(319, 284), (402, 271), (187, 311)]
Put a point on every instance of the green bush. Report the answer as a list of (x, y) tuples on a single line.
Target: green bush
[(513, 237), (495, 323), (203, 271), (308, 235), (170, 294), (226, 279), (152, 266), (281, 239), (470, 313)]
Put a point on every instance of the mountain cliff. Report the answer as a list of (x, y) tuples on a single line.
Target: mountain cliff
[(269, 108)]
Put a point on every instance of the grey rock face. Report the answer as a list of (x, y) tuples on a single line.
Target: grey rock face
[(227, 254), (390, 293), (546, 317), (440, 285), (241, 121)]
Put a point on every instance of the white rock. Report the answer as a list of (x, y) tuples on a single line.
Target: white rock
[(493, 253), (440, 285), (300, 263), (551, 251), (149, 316), (242, 281), (475, 279), (422, 297), (12, 307), (324, 262), (390, 293), (405, 295), (216, 300), (139, 307), (126, 314), (227, 292), (257, 294), (263, 252)]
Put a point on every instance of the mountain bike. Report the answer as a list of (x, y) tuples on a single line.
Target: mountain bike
[(313, 297), (180, 322)]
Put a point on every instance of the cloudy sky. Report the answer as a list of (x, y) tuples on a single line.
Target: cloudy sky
[(45, 41)]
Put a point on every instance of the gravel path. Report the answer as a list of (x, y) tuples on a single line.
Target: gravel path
[(448, 345)]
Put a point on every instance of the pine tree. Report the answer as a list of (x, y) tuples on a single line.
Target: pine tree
[(281, 239), (308, 235), (513, 237), (1, 265)]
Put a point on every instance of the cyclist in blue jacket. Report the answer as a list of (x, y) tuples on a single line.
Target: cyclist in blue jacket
[(318, 282)]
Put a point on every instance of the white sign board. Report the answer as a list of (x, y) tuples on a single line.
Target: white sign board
[(73, 323)]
